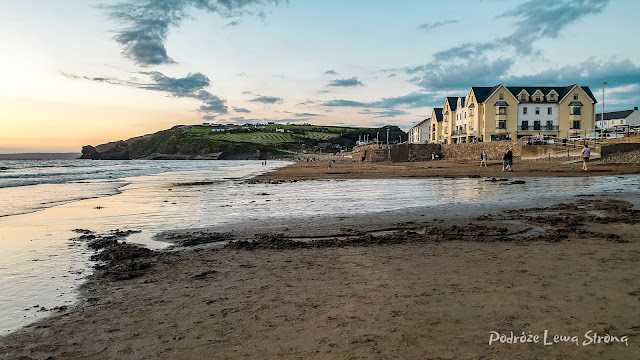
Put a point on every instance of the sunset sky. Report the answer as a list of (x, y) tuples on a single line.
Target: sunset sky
[(81, 72)]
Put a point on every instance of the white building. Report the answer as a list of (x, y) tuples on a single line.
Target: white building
[(419, 134), (615, 118), (537, 117)]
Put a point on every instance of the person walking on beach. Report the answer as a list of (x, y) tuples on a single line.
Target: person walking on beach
[(329, 164), (507, 160), (483, 158), (586, 154)]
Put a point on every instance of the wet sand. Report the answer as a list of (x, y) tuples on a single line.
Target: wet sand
[(434, 290), (346, 169)]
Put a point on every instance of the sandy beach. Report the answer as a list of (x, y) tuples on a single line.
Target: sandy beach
[(347, 169), (435, 290)]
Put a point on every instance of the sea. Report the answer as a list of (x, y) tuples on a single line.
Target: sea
[(43, 201)]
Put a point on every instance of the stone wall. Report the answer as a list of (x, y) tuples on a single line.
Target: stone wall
[(422, 152), (471, 151), (394, 152), (619, 148)]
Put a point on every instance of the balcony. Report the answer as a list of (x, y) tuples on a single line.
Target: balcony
[(540, 128)]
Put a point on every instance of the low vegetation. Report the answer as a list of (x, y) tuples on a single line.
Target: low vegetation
[(241, 141)]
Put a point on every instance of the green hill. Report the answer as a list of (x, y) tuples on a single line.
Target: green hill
[(236, 142)]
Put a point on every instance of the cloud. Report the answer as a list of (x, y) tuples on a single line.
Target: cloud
[(412, 100), (458, 76), (547, 19), (233, 23), (330, 72), (146, 23), (490, 62), (435, 25), (241, 110), (191, 86), (353, 81), (181, 87), (267, 100), (391, 76), (304, 114), (390, 113)]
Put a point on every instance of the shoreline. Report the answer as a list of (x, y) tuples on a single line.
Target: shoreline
[(274, 298), (346, 169)]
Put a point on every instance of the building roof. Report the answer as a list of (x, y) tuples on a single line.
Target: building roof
[(483, 92), (438, 112), (453, 102), (423, 122), (576, 103), (614, 115), (561, 90)]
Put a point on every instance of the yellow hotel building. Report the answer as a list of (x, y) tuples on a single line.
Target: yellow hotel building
[(511, 112)]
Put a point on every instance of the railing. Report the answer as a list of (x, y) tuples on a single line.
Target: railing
[(538, 128)]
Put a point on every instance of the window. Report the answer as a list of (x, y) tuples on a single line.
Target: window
[(525, 125), (536, 125), (576, 110), (575, 124), (552, 97), (575, 96), (502, 110), (524, 110), (537, 110), (549, 125), (502, 124), (501, 96), (549, 110), (538, 97), (523, 97), (470, 112)]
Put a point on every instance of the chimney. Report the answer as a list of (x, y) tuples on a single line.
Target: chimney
[(635, 108)]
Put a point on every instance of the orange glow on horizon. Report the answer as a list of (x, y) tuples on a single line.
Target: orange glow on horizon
[(35, 125)]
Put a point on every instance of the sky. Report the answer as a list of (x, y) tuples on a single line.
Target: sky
[(76, 72)]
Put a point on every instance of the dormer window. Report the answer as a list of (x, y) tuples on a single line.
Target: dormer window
[(552, 97), (538, 97), (523, 97), (501, 96), (575, 96)]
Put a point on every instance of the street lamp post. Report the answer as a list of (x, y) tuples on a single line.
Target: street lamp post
[(602, 118), (388, 136)]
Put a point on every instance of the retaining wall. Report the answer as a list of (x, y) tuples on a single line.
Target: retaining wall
[(422, 152), (619, 148)]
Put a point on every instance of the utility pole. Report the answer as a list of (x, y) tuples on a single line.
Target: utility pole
[(602, 118), (377, 137), (387, 136)]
